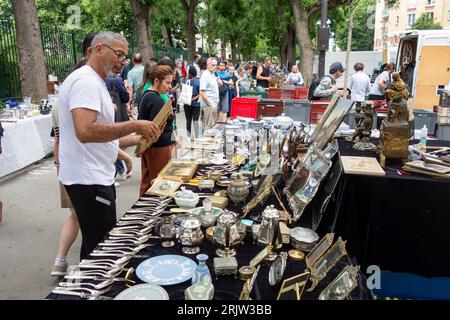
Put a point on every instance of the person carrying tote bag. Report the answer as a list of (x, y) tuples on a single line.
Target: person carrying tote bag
[(192, 109)]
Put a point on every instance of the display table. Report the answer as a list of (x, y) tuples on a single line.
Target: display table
[(25, 142), (229, 287), (397, 222)]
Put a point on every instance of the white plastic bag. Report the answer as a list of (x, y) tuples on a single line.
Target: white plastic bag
[(186, 93)]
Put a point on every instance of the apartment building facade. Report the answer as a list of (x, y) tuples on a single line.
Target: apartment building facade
[(392, 23)]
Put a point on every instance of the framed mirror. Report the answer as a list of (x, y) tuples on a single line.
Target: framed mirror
[(341, 287), (331, 121), (328, 110), (324, 264), (292, 288), (305, 180), (319, 250), (331, 149)]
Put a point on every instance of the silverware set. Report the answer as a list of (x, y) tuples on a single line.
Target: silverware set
[(124, 242)]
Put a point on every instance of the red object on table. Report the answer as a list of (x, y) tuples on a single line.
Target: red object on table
[(318, 108), (244, 107), (380, 105)]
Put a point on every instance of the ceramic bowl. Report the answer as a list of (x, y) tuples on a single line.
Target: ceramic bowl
[(187, 203)]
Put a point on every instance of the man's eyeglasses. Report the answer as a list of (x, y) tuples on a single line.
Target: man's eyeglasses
[(120, 55)]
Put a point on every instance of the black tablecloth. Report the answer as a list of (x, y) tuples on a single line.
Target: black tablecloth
[(398, 222), (228, 287)]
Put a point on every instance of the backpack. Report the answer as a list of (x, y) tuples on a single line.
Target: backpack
[(314, 84)]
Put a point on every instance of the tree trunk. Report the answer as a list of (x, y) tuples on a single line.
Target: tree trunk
[(304, 41), (223, 49), (283, 48), (166, 36), (352, 5), (190, 24), (290, 47), (33, 74), (141, 18), (234, 51)]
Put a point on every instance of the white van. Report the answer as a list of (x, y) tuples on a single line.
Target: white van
[(423, 60)]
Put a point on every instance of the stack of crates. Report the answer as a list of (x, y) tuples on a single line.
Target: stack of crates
[(299, 110), (274, 93), (425, 117), (244, 107), (318, 108), (301, 94)]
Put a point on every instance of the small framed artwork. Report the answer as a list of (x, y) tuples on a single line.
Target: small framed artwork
[(341, 287), (292, 288), (319, 250), (164, 187), (177, 169)]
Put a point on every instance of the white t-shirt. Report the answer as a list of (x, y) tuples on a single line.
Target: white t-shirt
[(376, 89), (85, 163), (209, 83), (359, 86)]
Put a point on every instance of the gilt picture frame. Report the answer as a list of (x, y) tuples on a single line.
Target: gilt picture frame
[(342, 286), (319, 250), (327, 262), (292, 288), (164, 187), (178, 169)]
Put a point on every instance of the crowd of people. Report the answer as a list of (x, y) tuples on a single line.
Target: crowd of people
[(104, 106)]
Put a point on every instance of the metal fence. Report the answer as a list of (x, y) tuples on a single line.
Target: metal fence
[(62, 50)]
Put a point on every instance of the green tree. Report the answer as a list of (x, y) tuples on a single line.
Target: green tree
[(425, 22), (363, 32)]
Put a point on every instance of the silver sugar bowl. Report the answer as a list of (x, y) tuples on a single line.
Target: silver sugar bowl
[(191, 235)]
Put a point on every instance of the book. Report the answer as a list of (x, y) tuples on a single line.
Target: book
[(362, 165)]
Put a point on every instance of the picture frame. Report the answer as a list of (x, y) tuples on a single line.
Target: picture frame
[(263, 192), (261, 256), (262, 165), (319, 250), (164, 187), (341, 287), (331, 120), (292, 288), (179, 169), (305, 181), (327, 262)]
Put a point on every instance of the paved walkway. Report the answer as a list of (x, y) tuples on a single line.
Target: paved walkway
[(32, 221)]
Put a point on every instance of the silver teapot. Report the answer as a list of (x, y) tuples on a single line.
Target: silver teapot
[(167, 231), (226, 234), (239, 188), (269, 225), (191, 235)]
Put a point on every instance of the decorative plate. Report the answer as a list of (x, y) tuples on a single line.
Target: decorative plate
[(143, 292), (166, 270), (277, 269)]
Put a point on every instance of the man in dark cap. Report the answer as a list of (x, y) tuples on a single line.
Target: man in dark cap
[(327, 86)]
